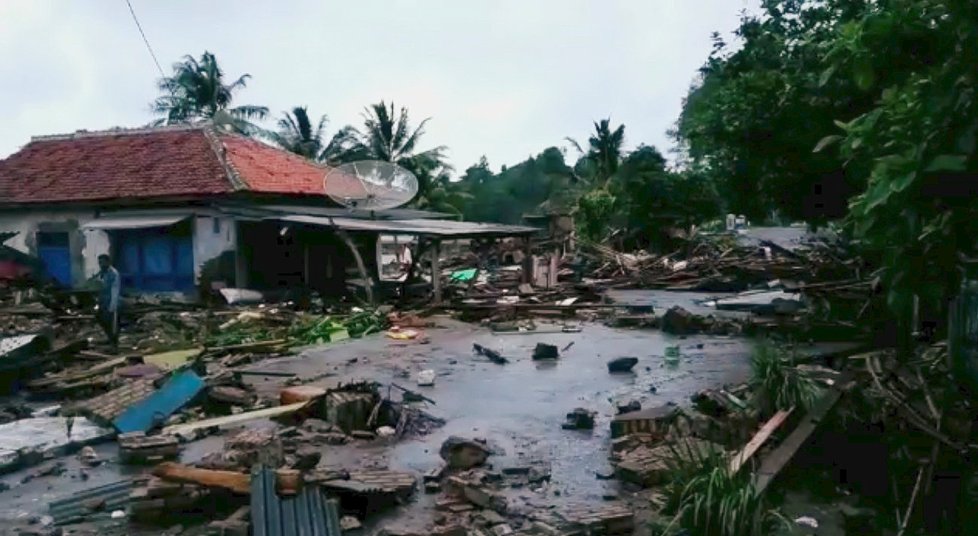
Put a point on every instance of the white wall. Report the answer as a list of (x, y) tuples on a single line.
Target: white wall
[(87, 244), (209, 244)]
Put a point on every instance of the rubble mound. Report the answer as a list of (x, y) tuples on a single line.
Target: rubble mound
[(461, 453)]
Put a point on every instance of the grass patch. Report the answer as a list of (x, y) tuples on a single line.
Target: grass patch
[(779, 383), (706, 499)]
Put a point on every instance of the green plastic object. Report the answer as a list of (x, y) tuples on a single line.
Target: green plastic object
[(672, 355), (464, 275)]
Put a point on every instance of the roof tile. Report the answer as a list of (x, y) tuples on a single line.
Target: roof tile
[(152, 163)]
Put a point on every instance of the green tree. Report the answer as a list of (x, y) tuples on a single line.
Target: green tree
[(197, 92), (751, 120), (917, 146), (388, 136), (296, 133), (535, 185), (604, 153)]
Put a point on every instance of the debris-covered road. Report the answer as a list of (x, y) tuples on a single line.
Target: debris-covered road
[(519, 407)]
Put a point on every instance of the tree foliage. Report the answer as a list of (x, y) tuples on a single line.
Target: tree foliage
[(197, 92), (538, 184), (604, 153), (917, 144), (851, 108), (634, 199), (296, 133), (754, 116)]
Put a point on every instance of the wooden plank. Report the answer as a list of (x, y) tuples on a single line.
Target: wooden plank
[(772, 465), (80, 375), (248, 346), (183, 429), (239, 483), (759, 438)]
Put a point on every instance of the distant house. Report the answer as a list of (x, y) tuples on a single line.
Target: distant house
[(180, 206)]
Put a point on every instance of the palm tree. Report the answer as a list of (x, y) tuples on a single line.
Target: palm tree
[(436, 191), (604, 152), (197, 92), (387, 136), (296, 133)]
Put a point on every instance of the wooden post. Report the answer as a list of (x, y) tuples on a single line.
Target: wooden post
[(360, 266), (554, 268), (305, 263), (436, 269), (527, 261), (415, 258)]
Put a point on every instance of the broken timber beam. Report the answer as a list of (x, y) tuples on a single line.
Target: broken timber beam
[(772, 465), (368, 281), (758, 440), (288, 481), (239, 483)]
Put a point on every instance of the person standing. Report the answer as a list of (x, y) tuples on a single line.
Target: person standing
[(108, 299)]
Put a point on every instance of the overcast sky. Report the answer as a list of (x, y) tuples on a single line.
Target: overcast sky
[(500, 78)]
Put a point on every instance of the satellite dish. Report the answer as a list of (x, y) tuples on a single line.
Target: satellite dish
[(370, 185)]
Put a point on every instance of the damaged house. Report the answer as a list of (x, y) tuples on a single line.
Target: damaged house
[(185, 208)]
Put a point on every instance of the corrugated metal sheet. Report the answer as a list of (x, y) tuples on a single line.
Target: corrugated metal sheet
[(76, 507), (443, 228), (180, 389), (306, 514)]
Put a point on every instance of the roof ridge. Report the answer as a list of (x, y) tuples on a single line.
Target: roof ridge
[(118, 131), (284, 152), (213, 138)]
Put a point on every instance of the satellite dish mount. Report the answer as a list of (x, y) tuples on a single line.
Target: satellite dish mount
[(370, 185)]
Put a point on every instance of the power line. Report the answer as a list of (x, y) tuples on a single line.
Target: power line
[(145, 40)]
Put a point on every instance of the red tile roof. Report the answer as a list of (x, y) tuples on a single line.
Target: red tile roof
[(152, 163)]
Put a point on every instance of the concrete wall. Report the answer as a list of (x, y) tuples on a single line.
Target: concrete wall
[(85, 247), (210, 239), (213, 235)]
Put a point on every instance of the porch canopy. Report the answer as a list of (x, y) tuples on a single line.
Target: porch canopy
[(435, 230), (445, 229), (134, 221)]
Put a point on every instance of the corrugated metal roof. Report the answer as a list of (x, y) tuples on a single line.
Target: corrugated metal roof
[(73, 508), (306, 514), (442, 228)]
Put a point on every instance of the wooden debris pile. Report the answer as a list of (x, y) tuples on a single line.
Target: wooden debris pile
[(719, 264)]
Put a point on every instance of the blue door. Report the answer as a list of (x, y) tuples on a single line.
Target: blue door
[(158, 259), (55, 255)]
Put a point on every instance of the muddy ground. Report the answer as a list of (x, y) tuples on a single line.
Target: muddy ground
[(518, 407)]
